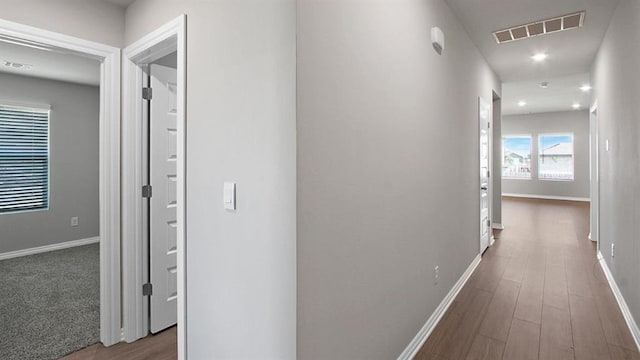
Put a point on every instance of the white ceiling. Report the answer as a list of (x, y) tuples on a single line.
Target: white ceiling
[(121, 3), (569, 52), (50, 64), (561, 94)]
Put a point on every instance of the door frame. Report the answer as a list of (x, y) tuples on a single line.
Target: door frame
[(594, 162), (109, 163), (159, 43), (489, 106)]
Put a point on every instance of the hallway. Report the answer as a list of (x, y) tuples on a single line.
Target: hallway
[(539, 293)]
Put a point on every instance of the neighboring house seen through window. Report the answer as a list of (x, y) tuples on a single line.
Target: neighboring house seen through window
[(516, 157), (555, 157), (24, 159)]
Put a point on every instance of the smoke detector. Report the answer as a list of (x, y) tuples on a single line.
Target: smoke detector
[(544, 84), (16, 65)]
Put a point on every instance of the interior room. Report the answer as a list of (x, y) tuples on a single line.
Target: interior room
[(49, 213), (312, 179)]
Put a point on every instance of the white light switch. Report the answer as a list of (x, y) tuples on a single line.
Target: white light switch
[(229, 196), (606, 145)]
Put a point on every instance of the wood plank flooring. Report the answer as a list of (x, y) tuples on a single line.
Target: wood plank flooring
[(539, 293), (162, 346)]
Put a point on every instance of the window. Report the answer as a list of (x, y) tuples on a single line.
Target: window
[(555, 157), (516, 157), (24, 159)]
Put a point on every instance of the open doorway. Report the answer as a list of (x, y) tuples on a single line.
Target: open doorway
[(59, 193), (161, 216), (484, 117), (496, 166), (594, 229), (153, 225)]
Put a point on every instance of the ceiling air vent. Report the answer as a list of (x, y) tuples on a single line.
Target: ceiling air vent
[(15, 65), (540, 27)]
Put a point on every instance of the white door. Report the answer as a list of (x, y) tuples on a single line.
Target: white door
[(162, 212), (484, 111), (595, 183)]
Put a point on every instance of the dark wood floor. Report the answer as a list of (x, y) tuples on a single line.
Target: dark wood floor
[(539, 293), (162, 346)]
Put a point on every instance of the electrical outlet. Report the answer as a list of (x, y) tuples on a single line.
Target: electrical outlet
[(613, 250), (74, 221), (436, 274)]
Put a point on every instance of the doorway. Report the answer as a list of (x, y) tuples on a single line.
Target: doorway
[(147, 62), (108, 159), (594, 229), (162, 204), (496, 168), (484, 116)]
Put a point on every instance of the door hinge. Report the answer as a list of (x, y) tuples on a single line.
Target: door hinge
[(488, 173), (147, 93), (147, 289), (147, 191), (488, 124), (489, 224)]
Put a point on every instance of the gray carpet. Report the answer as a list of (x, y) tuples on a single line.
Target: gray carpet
[(49, 303)]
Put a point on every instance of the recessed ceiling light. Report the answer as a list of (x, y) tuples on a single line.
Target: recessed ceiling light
[(576, 106), (585, 88), (539, 57), (544, 84), (522, 103)]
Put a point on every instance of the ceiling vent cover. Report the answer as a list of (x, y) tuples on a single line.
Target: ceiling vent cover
[(540, 27), (15, 65)]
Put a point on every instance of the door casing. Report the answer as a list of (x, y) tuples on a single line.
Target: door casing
[(159, 43), (594, 228), (485, 116), (109, 163)]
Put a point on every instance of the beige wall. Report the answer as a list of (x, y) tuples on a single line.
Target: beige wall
[(92, 20), (241, 126), (388, 164), (617, 90)]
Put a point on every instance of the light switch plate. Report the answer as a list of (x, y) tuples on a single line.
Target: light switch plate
[(229, 196)]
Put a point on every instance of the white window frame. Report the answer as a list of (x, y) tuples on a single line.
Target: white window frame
[(573, 156), (530, 136), (40, 108)]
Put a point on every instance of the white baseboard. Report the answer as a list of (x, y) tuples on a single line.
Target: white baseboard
[(547, 197), (628, 317), (497, 226), (46, 248), (493, 241), (434, 319)]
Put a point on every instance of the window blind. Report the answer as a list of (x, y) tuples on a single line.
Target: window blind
[(24, 159)]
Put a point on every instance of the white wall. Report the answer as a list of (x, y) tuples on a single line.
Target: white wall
[(74, 171), (616, 79), (388, 164), (241, 126), (94, 20), (576, 122)]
